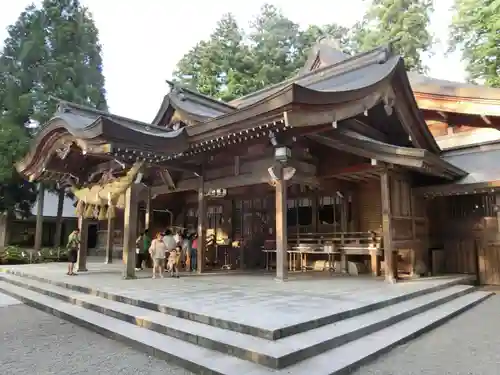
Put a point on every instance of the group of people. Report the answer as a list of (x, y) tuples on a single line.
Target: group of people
[(167, 251)]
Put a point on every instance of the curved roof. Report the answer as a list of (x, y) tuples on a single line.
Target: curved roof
[(349, 87), (97, 132), (193, 106)]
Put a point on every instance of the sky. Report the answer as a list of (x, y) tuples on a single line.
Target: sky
[(143, 40)]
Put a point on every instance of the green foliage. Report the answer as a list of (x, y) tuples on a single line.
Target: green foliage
[(475, 29), (14, 144), (231, 64), (51, 51), (19, 255), (275, 40), (14, 255), (403, 22), (50, 254)]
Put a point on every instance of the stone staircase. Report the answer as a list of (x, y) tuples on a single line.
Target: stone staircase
[(207, 345)]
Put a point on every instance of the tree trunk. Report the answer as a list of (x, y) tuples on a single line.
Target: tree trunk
[(59, 221)]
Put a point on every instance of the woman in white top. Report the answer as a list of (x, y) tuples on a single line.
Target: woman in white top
[(157, 251)]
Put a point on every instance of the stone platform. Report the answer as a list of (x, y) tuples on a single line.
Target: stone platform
[(246, 324)]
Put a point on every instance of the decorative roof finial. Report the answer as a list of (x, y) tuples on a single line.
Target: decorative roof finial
[(330, 41), (171, 84)]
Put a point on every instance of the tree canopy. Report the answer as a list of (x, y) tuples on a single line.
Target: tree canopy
[(51, 51), (475, 29), (231, 63), (402, 22)]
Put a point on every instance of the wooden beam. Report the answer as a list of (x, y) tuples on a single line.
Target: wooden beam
[(250, 172), (181, 167), (167, 179), (363, 128), (455, 104), (364, 149), (458, 189)]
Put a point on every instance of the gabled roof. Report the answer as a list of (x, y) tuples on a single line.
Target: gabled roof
[(192, 106), (326, 52), (364, 80)]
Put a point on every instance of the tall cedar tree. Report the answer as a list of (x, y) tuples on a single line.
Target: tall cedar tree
[(404, 22), (220, 66), (50, 51), (230, 64), (475, 28)]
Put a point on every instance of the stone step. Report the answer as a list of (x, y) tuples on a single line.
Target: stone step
[(205, 361), (274, 354), (370, 304), (192, 357), (344, 359)]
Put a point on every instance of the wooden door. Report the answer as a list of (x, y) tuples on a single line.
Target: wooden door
[(489, 264)]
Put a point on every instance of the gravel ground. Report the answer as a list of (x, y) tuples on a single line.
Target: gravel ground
[(36, 343), (467, 345)]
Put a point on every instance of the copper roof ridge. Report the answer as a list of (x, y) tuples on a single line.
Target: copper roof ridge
[(386, 49), (101, 113), (197, 94)]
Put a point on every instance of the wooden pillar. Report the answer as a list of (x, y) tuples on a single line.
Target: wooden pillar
[(130, 231), (60, 207), (344, 266), (281, 229), (81, 262), (497, 203), (39, 218), (4, 230), (110, 240), (389, 256), (202, 226), (148, 217)]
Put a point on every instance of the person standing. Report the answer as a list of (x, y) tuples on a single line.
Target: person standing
[(193, 252), (73, 245), (146, 238), (157, 250), (139, 244)]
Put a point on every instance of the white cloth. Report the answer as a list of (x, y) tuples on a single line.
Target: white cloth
[(170, 242), (157, 249), (177, 238)]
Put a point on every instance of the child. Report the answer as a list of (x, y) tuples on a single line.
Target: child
[(173, 259)]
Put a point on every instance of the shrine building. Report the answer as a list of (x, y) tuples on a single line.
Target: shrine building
[(353, 166)]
